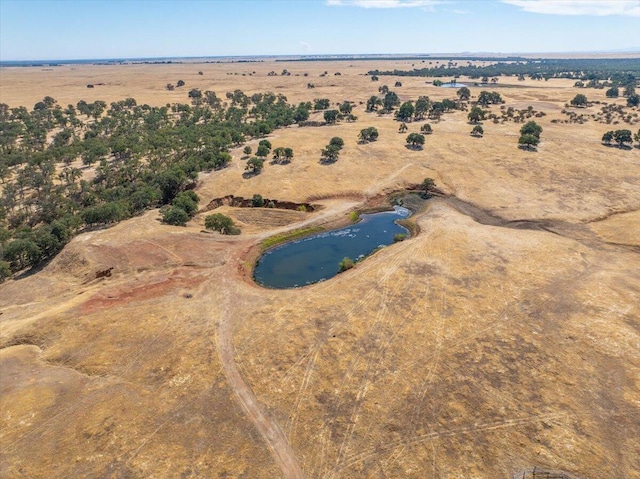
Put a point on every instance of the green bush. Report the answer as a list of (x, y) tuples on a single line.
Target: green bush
[(400, 237), (257, 201), (346, 263)]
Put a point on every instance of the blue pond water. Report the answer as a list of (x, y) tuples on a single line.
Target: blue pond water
[(452, 85), (317, 257)]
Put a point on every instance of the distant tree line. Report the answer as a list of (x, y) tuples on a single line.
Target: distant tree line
[(623, 70)]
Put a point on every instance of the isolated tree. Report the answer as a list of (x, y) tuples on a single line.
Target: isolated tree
[(636, 138), (476, 114), (415, 140), (331, 116), (579, 100), (633, 100), (402, 128), (384, 89), (180, 83), (398, 84), (629, 90), (170, 86), (220, 223), (528, 141), (464, 93), (405, 112), (531, 128), (368, 134), (426, 129), (254, 165), (477, 131), (613, 92), (437, 83), (246, 150), (374, 78)]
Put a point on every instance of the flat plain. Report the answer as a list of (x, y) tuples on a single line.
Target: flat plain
[(504, 336)]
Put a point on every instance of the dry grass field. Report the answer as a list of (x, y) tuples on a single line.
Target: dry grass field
[(504, 336)]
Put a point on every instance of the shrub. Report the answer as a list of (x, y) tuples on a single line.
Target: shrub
[(345, 264), (400, 237), (257, 201), (477, 131)]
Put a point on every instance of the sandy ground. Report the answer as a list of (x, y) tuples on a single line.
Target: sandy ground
[(506, 335)]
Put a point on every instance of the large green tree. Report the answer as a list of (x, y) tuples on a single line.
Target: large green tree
[(415, 140)]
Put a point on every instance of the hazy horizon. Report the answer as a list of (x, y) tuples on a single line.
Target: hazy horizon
[(105, 30)]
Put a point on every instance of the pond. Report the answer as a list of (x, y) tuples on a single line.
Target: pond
[(317, 257), (452, 85)]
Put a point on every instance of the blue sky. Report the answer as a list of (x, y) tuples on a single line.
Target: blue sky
[(54, 29)]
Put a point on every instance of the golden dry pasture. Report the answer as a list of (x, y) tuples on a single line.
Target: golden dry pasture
[(504, 336)]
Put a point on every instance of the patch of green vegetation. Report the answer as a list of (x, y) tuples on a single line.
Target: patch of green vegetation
[(400, 237), (346, 263), (289, 236)]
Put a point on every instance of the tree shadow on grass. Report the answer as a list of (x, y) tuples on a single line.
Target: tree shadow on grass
[(414, 147), (250, 174)]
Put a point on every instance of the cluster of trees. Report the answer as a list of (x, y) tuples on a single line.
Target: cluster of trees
[(489, 98), (171, 86), (621, 137), (409, 110), (140, 157), (331, 152), (530, 135), (182, 208)]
